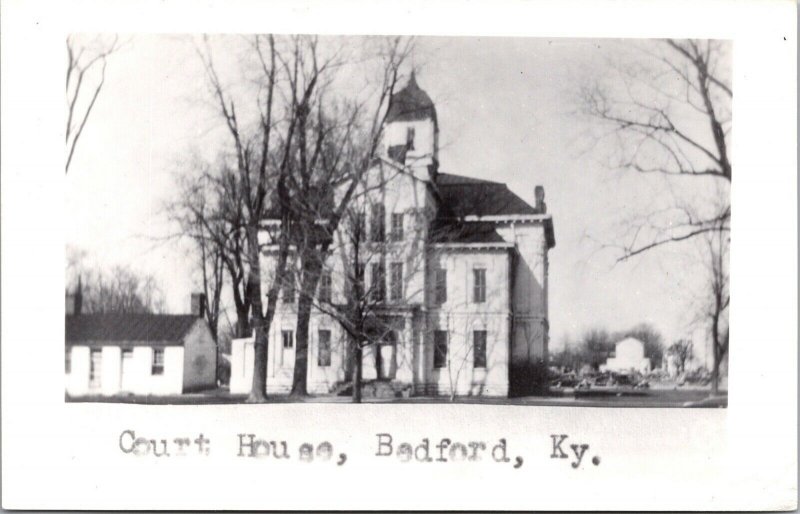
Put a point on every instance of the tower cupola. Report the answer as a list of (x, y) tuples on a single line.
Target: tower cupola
[(411, 134)]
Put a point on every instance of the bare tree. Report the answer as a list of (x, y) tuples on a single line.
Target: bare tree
[(670, 114), (358, 261), (118, 290), (208, 210), (260, 169), (681, 350), (719, 299), (86, 75), (335, 143), (293, 174)]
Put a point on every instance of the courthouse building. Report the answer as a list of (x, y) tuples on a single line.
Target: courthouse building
[(458, 267)]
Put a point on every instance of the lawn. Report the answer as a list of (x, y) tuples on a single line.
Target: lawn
[(593, 398)]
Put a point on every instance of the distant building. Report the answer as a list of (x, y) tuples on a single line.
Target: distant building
[(461, 268), (143, 354), (628, 356)]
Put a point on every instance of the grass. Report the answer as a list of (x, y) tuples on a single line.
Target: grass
[(651, 398)]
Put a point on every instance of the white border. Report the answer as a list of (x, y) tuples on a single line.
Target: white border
[(65, 456)]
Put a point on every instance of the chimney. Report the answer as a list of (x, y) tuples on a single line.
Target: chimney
[(198, 305), (74, 301), (541, 207)]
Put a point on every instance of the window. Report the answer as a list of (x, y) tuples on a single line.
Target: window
[(288, 287), (287, 337), (287, 347), (440, 349), (325, 286), (324, 350), (95, 361), (359, 278), (361, 228), (68, 360), (397, 226), (479, 285), (441, 286), (397, 281), (410, 138), (479, 348), (378, 284), (378, 226), (158, 362)]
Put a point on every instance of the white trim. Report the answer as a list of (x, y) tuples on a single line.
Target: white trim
[(476, 246), (510, 217)]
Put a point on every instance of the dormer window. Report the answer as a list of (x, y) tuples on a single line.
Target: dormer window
[(410, 138)]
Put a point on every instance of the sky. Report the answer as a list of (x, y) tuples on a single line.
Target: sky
[(507, 110)]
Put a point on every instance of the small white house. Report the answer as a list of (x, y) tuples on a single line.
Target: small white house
[(142, 354), (628, 356)]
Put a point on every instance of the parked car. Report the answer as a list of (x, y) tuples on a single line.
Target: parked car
[(565, 380)]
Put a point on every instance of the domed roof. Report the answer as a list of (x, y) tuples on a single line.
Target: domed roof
[(411, 103)]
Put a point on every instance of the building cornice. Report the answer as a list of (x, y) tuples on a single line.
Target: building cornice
[(474, 246), (545, 219), (500, 218)]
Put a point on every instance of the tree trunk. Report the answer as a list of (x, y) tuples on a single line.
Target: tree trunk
[(715, 372), (258, 393), (261, 324), (308, 285), (299, 381), (357, 355), (716, 352), (242, 323)]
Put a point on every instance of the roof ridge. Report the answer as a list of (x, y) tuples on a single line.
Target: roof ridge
[(136, 314), (468, 180)]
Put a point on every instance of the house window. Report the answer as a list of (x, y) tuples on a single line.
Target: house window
[(361, 227), (410, 138), (378, 285), (287, 345), (397, 226), (378, 227), (397, 281), (95, 361), (288, 287), (68, 360), (324, 353), (441, 286), (325, 286), (157, 367), (479, 348), (440, 349), (288, 339), (359, 278), (479, 285)]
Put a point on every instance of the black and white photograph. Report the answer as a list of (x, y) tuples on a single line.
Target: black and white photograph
[(444, 256), (317, 218)]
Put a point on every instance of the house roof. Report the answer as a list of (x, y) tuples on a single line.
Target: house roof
[(398, 153), (466, 196), (411, 104), (129, 329), (444, 231)]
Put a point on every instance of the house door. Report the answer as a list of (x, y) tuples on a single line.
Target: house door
[(386, 363), (126, 374), (95, 364), (287, 349)]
